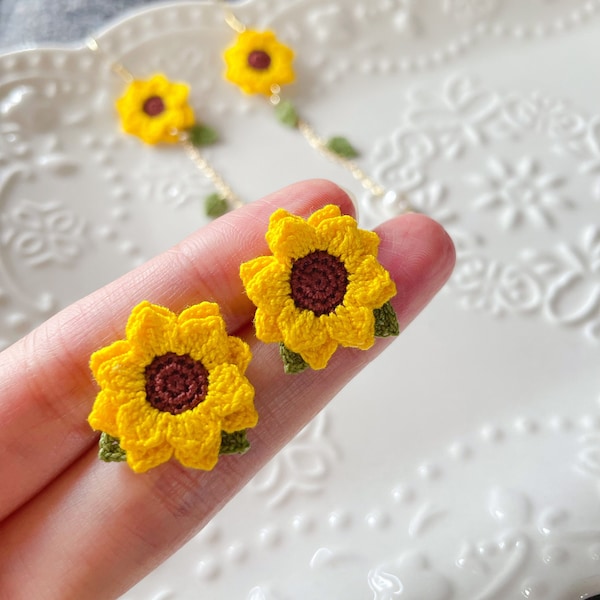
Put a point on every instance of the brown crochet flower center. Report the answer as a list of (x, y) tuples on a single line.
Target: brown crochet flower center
[(318, 281), (175, 383), (259, 60), (154, 106)]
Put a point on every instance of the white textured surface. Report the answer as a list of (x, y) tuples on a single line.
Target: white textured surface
[(465, 462)]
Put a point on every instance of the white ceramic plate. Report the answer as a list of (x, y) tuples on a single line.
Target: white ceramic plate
[(465, 462)]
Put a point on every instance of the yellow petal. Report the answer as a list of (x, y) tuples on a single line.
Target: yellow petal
[(187, 118), (206, 345), (252, 267), (252, 39), (270, 288), (104, 413), (330, 211), (157, 85), (318, 357), (369, 241), (140, 424), (339, 237), (124, 376), (152, 330), (302, 330), (134, 122), (231, 398), (245, 418), (156, 129), (279, 215), (239, 353), (200, 454), (370, 285), (196, 437), (102, 359), (176, 95), (353, 327), (193, 424), (141, 459), (200, 311), (267, 327), (292, 238)]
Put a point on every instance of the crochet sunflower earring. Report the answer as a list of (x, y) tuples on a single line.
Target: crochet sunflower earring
[(174, 387), (157, 111), (258, 63), (323, 287)]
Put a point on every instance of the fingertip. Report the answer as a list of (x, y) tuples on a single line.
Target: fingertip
[(305, 197), (420, 256)]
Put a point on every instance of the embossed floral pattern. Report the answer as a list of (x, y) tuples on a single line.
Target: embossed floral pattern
[(302, 467), (495, 287), (519, 193), (572, 276), (42, 233), (528, 194)]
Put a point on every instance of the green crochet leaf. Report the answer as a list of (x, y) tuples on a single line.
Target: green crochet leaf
[(110, 450), (231, 443), (292, 362), (201, 135), (286, 113), (386, 321), (234, 443), (342, 147), (215, 206)]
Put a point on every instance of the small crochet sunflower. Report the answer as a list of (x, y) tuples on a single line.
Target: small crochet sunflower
[(257, 61), (323, 287), (175, 387), (156, 110)]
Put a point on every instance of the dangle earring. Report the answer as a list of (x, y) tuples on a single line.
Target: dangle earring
[(259, 64), (158, 112)]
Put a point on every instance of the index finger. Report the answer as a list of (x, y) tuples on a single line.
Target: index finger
[(44, 410)]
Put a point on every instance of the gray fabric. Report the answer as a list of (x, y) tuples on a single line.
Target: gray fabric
[(24, 23)]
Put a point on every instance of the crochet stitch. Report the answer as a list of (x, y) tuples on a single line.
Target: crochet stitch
[(174, 387), (322, 288)]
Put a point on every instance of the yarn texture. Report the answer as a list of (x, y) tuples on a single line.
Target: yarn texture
[(173, 388), (320, 288), (257, 61)]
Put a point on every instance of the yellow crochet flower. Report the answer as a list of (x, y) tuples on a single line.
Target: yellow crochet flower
[(257, 61), (172, 386), (156, 110), (321, 286)]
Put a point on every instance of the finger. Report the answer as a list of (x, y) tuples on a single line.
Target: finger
[(45, 379), (140, 519)]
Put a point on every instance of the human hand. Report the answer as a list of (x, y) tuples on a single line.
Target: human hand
[(74, 527)]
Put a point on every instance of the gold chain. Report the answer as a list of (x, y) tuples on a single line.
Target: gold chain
[(309, 133), (192, 151), (210, 173), (116, 66), (320, 145)]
